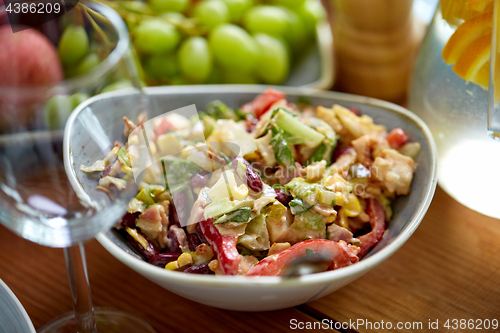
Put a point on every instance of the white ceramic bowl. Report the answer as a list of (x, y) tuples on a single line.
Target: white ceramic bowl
[(13, 317), (245, 293)]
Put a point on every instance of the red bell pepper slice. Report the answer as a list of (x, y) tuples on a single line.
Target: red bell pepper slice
[(224, 247), (342, 255), (396, 138), (262, 102), (377, 221)]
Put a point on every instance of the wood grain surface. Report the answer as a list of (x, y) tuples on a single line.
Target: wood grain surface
[(37, 275), (449, 269)]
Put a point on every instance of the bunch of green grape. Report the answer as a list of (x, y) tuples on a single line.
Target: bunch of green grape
[(78, 57), (219, 41)]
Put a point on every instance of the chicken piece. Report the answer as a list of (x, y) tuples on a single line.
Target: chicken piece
[(325, 210), (329, 117), (343, 162), (278, 247), (108, 180), (315, 171), (177, 240), (115, 169), (337, 233), (246, 263), (152, 221), (394, 171), (363, 146), (357, 126), (165, 222)]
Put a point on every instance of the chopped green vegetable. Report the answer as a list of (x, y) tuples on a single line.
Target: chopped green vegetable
[(241, 170), (256, 237), (145, 196), (300, 187), (298, 206), (283, 110), (218, 110), (325, 150), (309, 251), (318, 155), (309, 225), (224, 206), (179, 171), (240, 114), (238, 215), (326, 197), (292, 125), (122, 156), (282, 152)]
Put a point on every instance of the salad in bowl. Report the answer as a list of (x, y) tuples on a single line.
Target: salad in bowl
[(253, 190)]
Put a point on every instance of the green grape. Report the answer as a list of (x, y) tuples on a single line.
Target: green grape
[(233, 48), (162, 66), (316, 9), (215, 76), (155, 37), (178, 81), (77, 99), (237, 8), (73, 45), (173, 17), (273, 65), (311, 12), (169, 5), (288, 3), (211, 13), (270, 20), (235, 77), (87, 64), (296, 34), (195, 59), (122, 84), (57, 110)]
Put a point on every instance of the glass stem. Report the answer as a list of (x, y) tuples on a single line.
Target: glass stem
[(80, 288), (494, 88)]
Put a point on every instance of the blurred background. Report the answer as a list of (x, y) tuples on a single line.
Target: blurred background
[(362, 47)]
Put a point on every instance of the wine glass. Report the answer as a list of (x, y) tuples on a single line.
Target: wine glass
[(37, 201)]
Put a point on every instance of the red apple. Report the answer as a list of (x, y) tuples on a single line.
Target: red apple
[(27, 59)]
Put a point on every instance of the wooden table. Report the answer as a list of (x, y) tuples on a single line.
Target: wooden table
[(449, 269)]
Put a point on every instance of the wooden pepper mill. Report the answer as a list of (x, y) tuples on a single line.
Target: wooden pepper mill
[(376, 42)]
